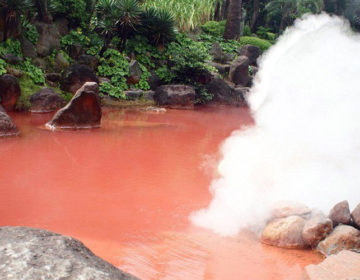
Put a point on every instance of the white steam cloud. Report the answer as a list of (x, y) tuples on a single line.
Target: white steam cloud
[(305, 145)]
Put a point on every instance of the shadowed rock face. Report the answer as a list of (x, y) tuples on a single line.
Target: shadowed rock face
[(46, 100), (9, 91), (7, 127), (27, 253), (75, 76), (340, 213), (83, 111), (175, 96)]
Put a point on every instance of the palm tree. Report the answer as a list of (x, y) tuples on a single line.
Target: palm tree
[(233, 22), (10, 11), (291, 9)]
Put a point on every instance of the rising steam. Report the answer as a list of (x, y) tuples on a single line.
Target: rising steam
[(305, 145)]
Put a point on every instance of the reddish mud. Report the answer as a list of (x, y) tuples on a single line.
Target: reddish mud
[(126, 190)]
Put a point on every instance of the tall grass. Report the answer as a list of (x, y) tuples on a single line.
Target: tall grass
[(188, 14)]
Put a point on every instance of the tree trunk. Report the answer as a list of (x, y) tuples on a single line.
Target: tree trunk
[(255, 15), (233, 22), (42, 6)]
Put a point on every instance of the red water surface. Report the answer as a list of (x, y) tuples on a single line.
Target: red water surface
[(126, 190)]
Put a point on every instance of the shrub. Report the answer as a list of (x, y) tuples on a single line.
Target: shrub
[(109, 89), (29, 31), (3, 65), (74, 10), (261, 43), (36, 74), (247, 31), (11, 46), (214, 28)]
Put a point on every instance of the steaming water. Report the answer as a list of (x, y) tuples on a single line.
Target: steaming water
[(306, 140)]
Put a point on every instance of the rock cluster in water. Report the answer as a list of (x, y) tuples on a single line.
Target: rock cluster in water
[(296, 226), (27, 253)]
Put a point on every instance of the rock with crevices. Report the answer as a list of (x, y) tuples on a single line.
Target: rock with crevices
[(7, 126)]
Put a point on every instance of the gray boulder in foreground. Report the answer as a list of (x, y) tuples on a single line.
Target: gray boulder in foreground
[(344, 265), (27, 253)]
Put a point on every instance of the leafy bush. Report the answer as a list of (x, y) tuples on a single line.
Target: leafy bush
[(165, 74), (3, 65), (247, 31), (11, 46), (109, 89), (115, 66), (28, 88), (36, 74), (29, 31), (215, 28), (261, 43), (92, 43)]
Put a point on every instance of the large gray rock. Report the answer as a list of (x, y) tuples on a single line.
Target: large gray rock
[(83, 111), (343, 266), (224, 93), (316, 229), (135, 72), (175, 96), (285, 233), (7, 128), (46, 100), (27, 253), (218, 55), (62, 25), (75, 76), (12, 59), (49, 38), (89, 60), (9, 92), (343, 237), (340, 213), (355, 215), (239, 71), (27, 48), (252, 52)]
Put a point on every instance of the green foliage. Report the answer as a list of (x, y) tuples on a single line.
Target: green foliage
[(165, 74), (261, 43), (228, 46), (115, 66), (143, 84), (29, 31), (34, 73), (91, 43), (158, 26), (28, 88), (214, 28), (113, 91), (11, 46), (3, 66), (247, 31), (74, 10), (188, 14), (203, 96)]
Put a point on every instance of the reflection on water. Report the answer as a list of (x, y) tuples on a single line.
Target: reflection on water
[(126, 190)]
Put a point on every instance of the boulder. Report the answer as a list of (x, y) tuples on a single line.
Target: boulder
[(340, 213), (252, 52), (316, 229), (175, 96), (9, 91), (75, 76), (239, 71), (285, 233), (28, 253), (154, 81), (89, 60), (75, 51), (61, 62), (53, 77), (149, 95), (40, 62), (343, 266), (83, 111), (223, 69), (285, 208), (46, 100), (343, 237), (49, 38), (135, 72), (12, 59), (62, 25), (134, 94), (14, 72), (218, 55), (223, 93), (7, 128), (27, 48), (355, 215)]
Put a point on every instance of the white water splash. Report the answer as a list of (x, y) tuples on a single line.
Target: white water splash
[(305, 145)]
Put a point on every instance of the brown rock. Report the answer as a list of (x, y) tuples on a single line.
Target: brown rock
[(316, 229), (343, 237), (284, 209), (355, 215), (49, 38), (76, 76), (344, 265), (340, 213), (252, 52), (175, 96), (7, 127), (239, 71), (9, 91), (285, 233), (83, 111), (46, 100)]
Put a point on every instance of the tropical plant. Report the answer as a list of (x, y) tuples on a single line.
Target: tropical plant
[(233, 21), (215, 28), (158, 26), (10, 11), (29, 30), (261, 43), (291, 9), (188, 14), (3, 66)]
